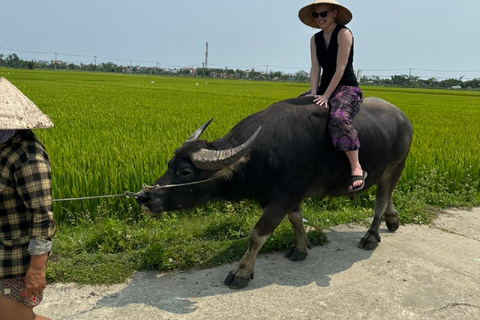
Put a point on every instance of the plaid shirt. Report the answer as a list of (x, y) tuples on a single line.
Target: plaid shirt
[(25, 201)]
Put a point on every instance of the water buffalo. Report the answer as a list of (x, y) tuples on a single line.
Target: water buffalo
[(278, 157)]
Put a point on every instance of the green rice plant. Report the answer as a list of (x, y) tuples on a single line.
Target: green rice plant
[(114, 133), (446, 136)]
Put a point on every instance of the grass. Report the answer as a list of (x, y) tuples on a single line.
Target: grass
[(115, 132), (205, 237)]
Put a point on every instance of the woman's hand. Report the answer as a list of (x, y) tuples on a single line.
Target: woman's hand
[(35, 281), (321, 100)]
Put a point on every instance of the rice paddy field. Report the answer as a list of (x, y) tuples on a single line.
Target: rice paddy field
[(114, 133)]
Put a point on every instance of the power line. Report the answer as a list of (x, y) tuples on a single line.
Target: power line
[(447, 70), (207, 64)]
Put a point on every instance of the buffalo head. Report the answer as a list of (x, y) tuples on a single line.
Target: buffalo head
[(194, 174)]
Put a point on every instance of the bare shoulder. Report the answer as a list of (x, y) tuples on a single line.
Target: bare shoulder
[(344, 32), (312, 42), (344, 35)]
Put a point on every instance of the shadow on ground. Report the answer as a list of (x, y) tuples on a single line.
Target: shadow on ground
[(176, 293)]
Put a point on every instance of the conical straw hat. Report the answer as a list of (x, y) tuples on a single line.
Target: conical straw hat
[(344, 15), (17, 111)]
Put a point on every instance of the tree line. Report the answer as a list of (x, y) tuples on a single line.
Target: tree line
[(417, 82), (13, 61)]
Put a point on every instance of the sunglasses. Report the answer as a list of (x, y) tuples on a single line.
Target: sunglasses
[(322, 14)]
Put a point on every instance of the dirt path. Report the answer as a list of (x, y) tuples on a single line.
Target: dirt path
[(418, 272)]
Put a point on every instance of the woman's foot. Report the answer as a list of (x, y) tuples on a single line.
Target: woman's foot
[(357, 182)]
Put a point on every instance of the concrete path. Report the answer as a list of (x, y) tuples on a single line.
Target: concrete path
[(418, 272)]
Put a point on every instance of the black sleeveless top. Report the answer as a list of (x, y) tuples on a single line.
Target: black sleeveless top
[(328, 61)]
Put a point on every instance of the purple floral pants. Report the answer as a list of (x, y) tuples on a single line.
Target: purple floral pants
[(343, 105)]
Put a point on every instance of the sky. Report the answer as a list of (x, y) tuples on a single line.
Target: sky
[(425, 38)]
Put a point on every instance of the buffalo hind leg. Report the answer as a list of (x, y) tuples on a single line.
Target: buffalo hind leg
[(371, 239), (391, 217), (299, 251), (272, 215), (383, 206)]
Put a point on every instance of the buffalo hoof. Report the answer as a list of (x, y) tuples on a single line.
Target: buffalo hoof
[(294, 255), (233, 281), (369, 241), (392, 223)]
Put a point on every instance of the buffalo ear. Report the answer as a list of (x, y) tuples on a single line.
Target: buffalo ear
[(228, 171), (211, 160), (194, 136)]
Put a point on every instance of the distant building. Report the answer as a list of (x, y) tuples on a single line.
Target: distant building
[(303, 73), (455, 87)]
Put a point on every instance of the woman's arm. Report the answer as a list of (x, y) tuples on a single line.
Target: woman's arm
[(315, 67), (34, 186)]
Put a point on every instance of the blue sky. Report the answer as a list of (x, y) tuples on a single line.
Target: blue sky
[(434, 38)]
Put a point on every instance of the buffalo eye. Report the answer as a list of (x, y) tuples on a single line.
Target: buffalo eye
[(183, 173)]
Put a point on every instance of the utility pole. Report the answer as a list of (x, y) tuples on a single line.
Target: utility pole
[(55, 61), (206, 56), (95, 63)]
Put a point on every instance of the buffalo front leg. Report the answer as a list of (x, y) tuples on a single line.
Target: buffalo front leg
[(299, 251), (239, 278), (272, 215)]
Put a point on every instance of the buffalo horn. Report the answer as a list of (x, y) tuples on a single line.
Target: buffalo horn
[(199, 131), (206, 159)]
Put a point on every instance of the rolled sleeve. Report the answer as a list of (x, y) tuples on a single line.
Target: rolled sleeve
[(38, 247)]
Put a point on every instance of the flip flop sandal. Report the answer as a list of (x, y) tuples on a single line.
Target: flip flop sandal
[(356, 178)]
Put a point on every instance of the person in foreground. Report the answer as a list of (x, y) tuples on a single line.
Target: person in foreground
[(332, 51), (26, 216)]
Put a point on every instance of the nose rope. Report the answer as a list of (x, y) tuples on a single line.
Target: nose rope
[(176, 185), (86, 198), (129, 194)]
